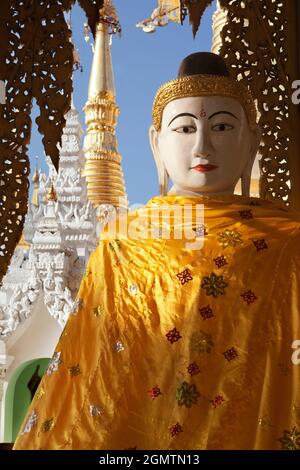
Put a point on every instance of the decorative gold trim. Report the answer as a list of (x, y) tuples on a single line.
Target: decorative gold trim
[(202, 85)]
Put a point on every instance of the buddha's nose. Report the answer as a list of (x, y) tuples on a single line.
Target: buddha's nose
[(202, 147)]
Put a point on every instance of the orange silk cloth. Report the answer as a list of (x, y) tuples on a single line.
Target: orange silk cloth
[(175, 348)]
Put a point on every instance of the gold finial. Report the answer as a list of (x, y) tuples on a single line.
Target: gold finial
[(51, 194), (23, 243), (103, 170), (108, 15), (35, 180), (35, 177)]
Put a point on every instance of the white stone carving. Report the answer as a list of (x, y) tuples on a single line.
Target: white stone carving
[(61, 234)]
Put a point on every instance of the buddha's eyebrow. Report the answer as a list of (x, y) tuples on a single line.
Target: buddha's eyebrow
[(180, 115), (222, 112)]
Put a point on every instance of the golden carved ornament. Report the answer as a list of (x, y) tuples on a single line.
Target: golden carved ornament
[(202, 85), (196, 9), (92, 11), (36, 61), (261, 47)]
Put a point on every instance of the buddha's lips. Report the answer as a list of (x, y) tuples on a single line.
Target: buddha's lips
[(204, 168)]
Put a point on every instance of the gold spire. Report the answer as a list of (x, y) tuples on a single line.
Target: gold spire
[(103, 171), (23, 243), (35, 180), (51, 194)]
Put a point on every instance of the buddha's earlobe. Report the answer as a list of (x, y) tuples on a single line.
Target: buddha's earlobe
[(246, 182), (246, 175), (161, 170)]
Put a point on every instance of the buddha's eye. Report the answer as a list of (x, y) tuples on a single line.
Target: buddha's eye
[(222, 127), (185, 129)]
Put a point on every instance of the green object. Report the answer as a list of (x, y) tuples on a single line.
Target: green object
[(18, 396)]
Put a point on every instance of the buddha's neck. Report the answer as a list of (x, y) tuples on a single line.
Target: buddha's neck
[(184, 192)]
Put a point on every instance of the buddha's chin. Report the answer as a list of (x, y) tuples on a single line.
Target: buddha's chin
[(202, 182), (202, 189)]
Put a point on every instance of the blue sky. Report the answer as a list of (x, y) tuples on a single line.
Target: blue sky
[(142, 62)]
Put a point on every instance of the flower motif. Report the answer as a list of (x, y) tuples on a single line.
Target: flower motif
[(95, 411), (184, 277), (230, 238), (217, 401), (290, 439), (47, 425), (206, 312), (175, 430), (249, 297), (54, 363), (260, 244), (247, 214), (74, 370), (30, 423), (230, 354), (77, 305), (98, 311), (187, 395), (201, 342), (173, 336), (193, 369), (154, 392), (220, 261), (214, 285), (133, 289), (119, 347), (201, 230)]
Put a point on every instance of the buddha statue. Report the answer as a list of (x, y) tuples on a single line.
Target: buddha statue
[(171, 345)]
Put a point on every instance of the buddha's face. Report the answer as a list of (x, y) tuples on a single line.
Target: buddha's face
[(205, 144)]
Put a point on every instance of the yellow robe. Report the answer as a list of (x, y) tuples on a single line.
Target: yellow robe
[(171, 347)]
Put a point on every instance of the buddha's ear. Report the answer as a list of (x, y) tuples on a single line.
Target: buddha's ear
[(161, 170), (254, 146), (255, 141)]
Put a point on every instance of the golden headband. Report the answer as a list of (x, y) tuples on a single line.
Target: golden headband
[(202, 85)]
